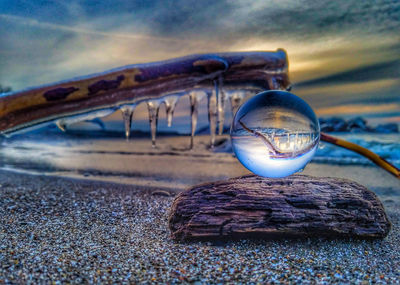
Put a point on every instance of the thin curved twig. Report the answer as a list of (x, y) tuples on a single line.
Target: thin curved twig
[(364, 152)]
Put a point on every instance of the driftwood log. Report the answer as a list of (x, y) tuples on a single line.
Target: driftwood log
[(137, 82), (296, 206)]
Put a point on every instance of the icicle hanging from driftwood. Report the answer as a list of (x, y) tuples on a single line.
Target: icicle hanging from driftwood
[(222, 76)]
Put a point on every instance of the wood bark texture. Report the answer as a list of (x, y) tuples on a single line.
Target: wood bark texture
[(297, 206)]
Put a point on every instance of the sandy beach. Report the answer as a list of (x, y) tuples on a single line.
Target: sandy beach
[(86, 87), (59, 230)]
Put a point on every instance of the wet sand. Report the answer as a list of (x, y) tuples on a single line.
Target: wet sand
[(170, 166), (69, 230)]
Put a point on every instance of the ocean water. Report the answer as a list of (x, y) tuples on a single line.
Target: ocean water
[(107, 156), (385, 145)]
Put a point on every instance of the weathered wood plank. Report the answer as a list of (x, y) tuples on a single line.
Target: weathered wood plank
[(296, 206)]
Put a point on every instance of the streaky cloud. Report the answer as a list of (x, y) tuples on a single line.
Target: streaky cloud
[(382, 70), (79, 30)]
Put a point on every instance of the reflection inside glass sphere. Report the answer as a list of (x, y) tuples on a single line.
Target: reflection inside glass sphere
[(275, 134)]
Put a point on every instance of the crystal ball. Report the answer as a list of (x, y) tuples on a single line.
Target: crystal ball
[(275, 134)]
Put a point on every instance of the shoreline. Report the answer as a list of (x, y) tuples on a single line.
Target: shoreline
[(371, 176), (169, 166)]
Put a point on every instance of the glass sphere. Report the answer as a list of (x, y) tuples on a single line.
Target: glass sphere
[(275, 134)]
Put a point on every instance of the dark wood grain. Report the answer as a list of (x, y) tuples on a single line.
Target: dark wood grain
[(296, 206)]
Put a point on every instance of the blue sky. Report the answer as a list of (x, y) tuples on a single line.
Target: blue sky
[(340, 52)]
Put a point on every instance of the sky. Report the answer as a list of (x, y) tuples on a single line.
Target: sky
[(344, 56)]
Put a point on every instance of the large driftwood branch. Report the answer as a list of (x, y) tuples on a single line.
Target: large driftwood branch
[(263, 70), (296, 206)]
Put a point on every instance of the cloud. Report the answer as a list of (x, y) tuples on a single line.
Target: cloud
[(78, 30), (383, 91), (328, 42), (355, 109), (378, 71), (55, 52), (306, 19)]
